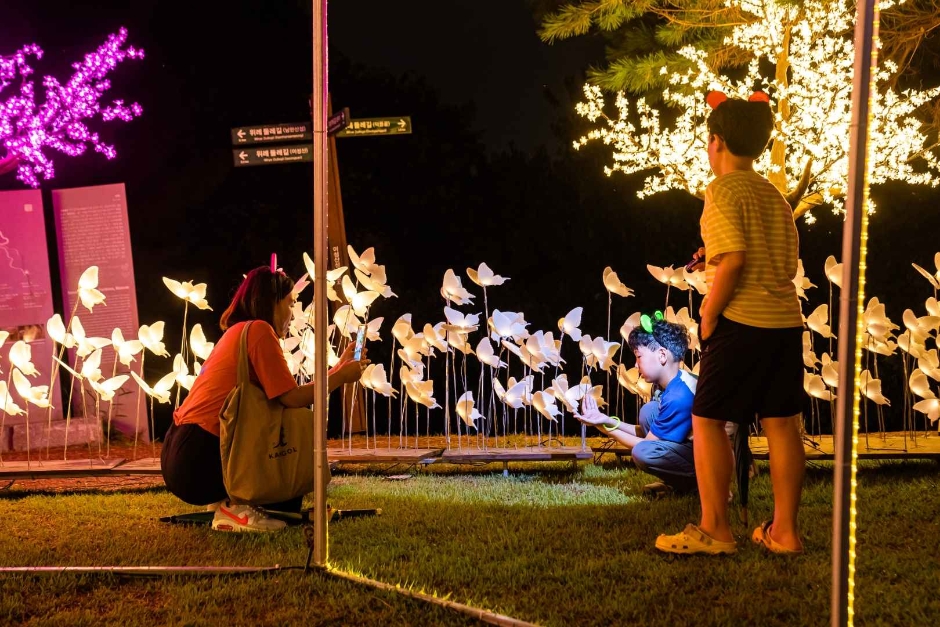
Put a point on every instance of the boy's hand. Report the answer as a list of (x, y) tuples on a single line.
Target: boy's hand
[(708, 322), (590, 414), (706, 327), (700, 257)]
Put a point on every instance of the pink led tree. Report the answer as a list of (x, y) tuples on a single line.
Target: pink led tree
[(27, 129)]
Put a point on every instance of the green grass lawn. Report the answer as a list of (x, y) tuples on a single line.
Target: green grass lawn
[(549, 545)]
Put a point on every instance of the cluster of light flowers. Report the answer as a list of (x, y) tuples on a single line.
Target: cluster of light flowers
[(814, 39), (499, 335), (28, 128)]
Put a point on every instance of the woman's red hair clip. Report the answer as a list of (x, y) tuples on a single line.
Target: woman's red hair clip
[(273, 263), (759, 96), (715, 98)]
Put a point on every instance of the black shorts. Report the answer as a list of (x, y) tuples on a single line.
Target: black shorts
[(750, 371), (192, 468), (192, 465)]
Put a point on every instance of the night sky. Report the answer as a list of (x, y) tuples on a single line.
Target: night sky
[(485, 52), (488, 174)]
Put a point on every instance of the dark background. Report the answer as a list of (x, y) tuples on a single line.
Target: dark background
[(488, 174)]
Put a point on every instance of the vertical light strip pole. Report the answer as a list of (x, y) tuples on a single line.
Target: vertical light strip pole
[(851, 326), (320, 159)]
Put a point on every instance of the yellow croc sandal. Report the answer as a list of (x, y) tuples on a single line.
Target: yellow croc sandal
[(762, 537), (694, 541)]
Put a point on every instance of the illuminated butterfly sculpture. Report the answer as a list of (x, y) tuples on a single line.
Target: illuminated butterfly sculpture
[(504, 376)]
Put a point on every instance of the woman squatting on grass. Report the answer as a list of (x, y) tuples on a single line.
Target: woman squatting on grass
[(191, 457)]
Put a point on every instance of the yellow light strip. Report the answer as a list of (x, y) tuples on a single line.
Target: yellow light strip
[(483, 615), (860, 331)]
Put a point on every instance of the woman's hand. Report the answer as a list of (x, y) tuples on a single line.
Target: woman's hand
[(590, 414), (348, 369)]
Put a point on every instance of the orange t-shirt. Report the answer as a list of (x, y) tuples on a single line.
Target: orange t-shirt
[(267, 368)]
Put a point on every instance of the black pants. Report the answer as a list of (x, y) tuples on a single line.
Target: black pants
[(192, 468)]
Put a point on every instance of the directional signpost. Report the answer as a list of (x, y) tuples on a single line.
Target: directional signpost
[(289, 132), (272, 133), (339, 125), (273, 154), (369, 127)]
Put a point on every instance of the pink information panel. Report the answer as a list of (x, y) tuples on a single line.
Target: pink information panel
[(92, 228), (25, 287)]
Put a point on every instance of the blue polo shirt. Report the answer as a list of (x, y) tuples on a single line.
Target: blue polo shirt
[(674, 421)]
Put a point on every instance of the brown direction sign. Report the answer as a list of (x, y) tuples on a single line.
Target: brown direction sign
[(369, 127), (272, 133), (338, 121), (271, 155)]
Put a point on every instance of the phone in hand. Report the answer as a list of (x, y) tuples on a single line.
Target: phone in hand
[(697, 258), (360, 342)]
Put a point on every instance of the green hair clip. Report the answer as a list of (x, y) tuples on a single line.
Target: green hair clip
[(647, 323)]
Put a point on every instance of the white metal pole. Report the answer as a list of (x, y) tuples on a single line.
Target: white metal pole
[(851, 301), (320, 158)]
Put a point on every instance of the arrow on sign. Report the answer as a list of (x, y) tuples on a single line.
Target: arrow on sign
[(243, 155), (401, 124), (241, 134)]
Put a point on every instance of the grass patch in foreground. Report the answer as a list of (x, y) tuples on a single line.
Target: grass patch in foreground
[(548, 544)]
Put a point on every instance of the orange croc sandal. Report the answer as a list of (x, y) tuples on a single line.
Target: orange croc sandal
[(694, 541), (762, 537)]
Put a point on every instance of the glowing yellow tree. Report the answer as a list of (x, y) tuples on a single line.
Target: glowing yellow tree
[(809, 50)]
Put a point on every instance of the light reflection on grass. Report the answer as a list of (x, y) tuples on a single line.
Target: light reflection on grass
[(548, 544), (515, 490)]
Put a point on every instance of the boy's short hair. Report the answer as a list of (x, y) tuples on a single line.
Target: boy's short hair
[(673, 337), (745, 126)]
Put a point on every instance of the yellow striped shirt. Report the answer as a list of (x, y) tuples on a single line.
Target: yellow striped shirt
[(745, 212)]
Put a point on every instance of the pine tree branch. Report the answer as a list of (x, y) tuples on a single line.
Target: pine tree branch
[(573, 20), (639, 75), (674, 35), (613, 18), (636, 39), (639, 29), (711, 14)]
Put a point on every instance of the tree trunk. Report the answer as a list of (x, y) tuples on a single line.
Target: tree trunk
[(810, 201), (778, 150)]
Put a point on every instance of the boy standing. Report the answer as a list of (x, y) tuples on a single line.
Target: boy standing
[(750, 330), (660, 444)]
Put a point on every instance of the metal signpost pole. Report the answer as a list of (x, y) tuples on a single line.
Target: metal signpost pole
[(851, 301), (320, 182)]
